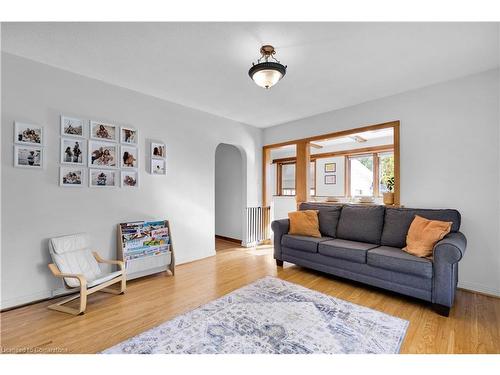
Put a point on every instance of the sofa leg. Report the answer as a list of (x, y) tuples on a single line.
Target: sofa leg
[(279, 263), (441, 309)]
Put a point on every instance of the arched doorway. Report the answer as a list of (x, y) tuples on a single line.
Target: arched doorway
[(230, 191)]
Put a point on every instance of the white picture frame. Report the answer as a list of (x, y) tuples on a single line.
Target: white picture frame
[(98, 157), (158, 150), (134, 174), (129, 157), (28, 134), (67, 180), (69, 156), (158, 167), (73, 127), (129, 136), (103, 178), (103, 131), (29, 157)]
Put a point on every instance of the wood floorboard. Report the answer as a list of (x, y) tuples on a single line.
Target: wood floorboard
[(473, 325)]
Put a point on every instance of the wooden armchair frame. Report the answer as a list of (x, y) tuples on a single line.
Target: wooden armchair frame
[(84, 291)]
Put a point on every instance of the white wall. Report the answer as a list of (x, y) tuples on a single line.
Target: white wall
[(449, 158), (35, 208), (329, 190), (229, 205)]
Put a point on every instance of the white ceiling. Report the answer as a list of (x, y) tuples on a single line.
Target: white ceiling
[(205, 65)]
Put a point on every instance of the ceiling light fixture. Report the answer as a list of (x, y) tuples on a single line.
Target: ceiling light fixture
[(267, 73)]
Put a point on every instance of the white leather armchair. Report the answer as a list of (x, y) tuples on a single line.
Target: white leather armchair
[(78, 267)]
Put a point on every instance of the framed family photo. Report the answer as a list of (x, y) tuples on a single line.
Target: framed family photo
[(103, 131), (73, 151), (130, 179), (128, 135), (28, 157), (330, 179), (103, 178), (28, 134), (103, 154), (330, 167), (129, 157), (157, 150), (158, 166), (71, 176), (72, 127)]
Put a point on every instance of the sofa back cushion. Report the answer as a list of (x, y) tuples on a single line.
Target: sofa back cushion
[(328, 215), (361, 223), (397, 221)]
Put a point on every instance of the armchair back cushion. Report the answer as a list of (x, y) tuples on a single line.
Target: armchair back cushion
[(362, 224), (72, 254), (398, 220), (328, 216)]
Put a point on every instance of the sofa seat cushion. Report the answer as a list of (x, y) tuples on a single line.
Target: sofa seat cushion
[(361, 223), (304, 243), (344, 249), (395, 259)]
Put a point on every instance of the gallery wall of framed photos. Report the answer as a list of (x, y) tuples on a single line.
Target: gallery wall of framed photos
[(104, 154), (28, 145), (92, 153)]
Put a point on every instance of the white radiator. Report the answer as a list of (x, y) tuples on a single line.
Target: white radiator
[(257, 225)]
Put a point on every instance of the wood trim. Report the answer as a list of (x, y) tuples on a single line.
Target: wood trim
[(355, 151), (396, 148), (302, 172), (266, 155), (376, 181), (228, 239), (347, 168), (397, 163), (337, 134)]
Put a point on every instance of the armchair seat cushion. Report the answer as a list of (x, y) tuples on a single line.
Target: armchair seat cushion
[(303, 243), (103, 278), (395, 259), (72, 255), (344, 249)]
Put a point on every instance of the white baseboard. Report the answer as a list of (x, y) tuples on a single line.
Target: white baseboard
[(18, 301), (479, 288)]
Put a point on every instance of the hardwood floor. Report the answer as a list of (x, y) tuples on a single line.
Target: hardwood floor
[(473, 325)]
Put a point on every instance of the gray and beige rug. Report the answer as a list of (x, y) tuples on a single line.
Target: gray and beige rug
[(275, 317)]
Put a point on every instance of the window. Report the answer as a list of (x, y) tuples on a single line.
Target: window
[(312, 179), (287, 179), (361, 175), (385, 170)]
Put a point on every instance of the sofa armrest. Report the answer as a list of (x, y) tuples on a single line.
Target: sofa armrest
[(279, 227), (447, 253), (451, 248)]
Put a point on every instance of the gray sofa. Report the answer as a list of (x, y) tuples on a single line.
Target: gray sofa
[(363, 243)]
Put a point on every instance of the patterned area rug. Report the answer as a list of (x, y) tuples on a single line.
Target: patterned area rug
[(273, 316)]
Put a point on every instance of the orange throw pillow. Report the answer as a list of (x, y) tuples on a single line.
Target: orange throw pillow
[(304, 223), (424, 234)]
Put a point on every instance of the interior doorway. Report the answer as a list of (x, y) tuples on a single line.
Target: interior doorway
[(229, 195)]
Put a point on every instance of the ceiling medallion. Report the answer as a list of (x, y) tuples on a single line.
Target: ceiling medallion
[(267, 73)]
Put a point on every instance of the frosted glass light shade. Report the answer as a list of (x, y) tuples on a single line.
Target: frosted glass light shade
[(267, 74), (267, 78)]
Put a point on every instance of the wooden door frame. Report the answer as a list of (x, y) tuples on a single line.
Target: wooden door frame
[(395, 125)]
